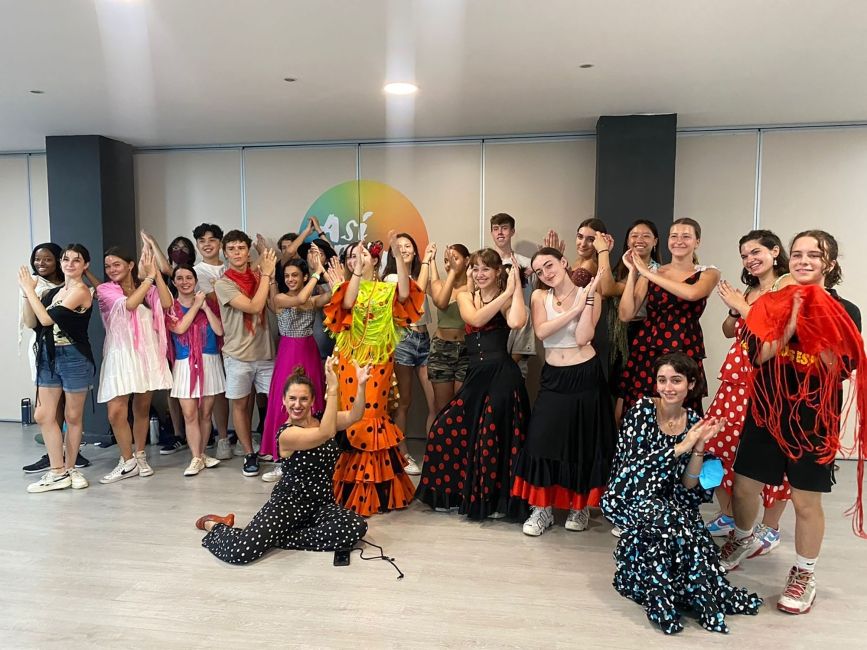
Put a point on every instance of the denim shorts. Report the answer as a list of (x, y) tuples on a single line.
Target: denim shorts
[(414, 349), (448, 361), (73, 372)]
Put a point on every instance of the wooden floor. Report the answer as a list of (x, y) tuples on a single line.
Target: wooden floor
[(121, 566)]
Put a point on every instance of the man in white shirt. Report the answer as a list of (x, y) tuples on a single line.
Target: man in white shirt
[(522, 342), (209, 241)]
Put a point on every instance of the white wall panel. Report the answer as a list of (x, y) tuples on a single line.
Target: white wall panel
[(715, 185), (177, 190)]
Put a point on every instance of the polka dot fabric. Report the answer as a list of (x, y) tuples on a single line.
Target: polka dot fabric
[(731, 402), (672, 325), (665, 560), (474, 441), (301, 514)]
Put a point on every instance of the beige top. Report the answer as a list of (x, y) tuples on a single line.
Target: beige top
[(238, 342)]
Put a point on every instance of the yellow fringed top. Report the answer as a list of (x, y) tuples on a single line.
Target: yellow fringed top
[(369, 332)]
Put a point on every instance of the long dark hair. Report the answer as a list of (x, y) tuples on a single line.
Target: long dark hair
[(55, 250), (620, 270), (768, 239), (415, 265)]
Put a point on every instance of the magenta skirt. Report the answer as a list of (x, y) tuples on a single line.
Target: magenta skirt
[(291, 352)]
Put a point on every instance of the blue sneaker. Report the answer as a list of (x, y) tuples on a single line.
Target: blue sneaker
[(770, 538), (721, 525)]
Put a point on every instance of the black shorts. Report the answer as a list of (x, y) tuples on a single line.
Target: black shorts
[(761, 458)]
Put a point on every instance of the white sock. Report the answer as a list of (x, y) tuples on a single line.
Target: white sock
[(805, 563), (741, 535)]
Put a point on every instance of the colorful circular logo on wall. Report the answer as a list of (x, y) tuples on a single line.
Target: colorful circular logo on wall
[(368, 209)]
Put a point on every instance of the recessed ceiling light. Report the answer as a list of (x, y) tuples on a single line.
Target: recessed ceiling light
[(37, 92), (584, 66), (400, 88), (290, 79)]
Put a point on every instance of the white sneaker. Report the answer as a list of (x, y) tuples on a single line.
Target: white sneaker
[(578, 519), (124, 469), (144, 469), (239, 449), (196, 466), (411, 466), (210, 461), (274, 475), (51, 480), (538, 522), (78, 480), (224, 449)]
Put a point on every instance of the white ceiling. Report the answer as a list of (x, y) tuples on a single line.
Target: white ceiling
[(167, 72)]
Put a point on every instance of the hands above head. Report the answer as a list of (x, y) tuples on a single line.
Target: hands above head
[(552, 240), (146, 267), (331, 381), (335, 273)]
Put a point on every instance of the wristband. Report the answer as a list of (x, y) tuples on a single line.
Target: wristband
[(589, 300), (691, 475), (152, 279), (316, 276), (423, 263), (734, 314)]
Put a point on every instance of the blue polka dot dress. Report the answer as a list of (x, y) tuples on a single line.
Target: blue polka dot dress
[(301, 513), (665, 560)]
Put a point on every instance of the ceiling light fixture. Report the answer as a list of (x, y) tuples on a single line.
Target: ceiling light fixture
[(585, 66), (400, 88), (37, 92), (290, 79)]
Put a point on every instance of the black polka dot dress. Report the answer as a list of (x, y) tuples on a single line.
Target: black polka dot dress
[(672, 325), (301, 513), (472, 445), (666, 560)]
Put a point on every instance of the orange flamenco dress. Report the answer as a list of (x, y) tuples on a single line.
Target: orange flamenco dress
[(369, 476)]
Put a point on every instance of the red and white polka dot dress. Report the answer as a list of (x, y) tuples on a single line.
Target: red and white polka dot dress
[(731, 402)]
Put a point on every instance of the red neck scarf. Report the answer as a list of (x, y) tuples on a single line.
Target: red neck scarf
[(828, 348), (248, 283)]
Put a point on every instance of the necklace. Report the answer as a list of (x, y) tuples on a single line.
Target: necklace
[(560, 301), (486, 302), (673, 425)]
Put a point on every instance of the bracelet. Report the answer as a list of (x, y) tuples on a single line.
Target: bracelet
[(691, 475), (589, 300), (734, 314), (357, 275), (423, 263), (698, 453), (316, 276), (152, 279)]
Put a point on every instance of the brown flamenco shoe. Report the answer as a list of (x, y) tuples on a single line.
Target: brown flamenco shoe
[(228, 520)]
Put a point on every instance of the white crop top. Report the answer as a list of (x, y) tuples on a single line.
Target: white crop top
[(565, 336)]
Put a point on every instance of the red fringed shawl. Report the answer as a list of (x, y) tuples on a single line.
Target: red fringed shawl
[(827, 347)]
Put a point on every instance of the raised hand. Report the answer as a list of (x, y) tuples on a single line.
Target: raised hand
[(146, 263), (314, 260), (640, 265), (334, 274), (430, 252), (267, 262), (331, 381), (600, 243), (732, 298), (199, 299), (628, 258), (456, 261), (362, 373), (591, 288), (260, 244), (552, 240), (26, 280)]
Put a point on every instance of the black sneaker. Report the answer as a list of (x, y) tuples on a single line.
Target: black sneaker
[(251, 465), (81, 461), (41, 465), (105, 443), (175, 445)]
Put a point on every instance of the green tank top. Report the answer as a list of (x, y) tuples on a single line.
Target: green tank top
[(450, 318)]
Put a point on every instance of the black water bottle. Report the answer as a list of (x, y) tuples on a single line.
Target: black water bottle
[(26, 411)]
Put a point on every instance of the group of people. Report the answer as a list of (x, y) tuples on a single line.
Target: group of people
[(617, 424)]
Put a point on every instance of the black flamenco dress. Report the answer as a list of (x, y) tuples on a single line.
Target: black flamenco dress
[(671, 325), (475, 439), (666, 559)]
